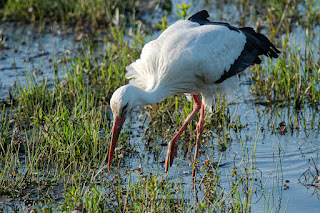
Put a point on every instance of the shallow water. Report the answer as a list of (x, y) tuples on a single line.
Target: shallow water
[(279, 160), (29, 51), (283, 162)]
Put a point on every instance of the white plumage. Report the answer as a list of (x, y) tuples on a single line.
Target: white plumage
[(194, 56), (188, 58)]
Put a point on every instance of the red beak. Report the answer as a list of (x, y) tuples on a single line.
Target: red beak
[(117, 126)]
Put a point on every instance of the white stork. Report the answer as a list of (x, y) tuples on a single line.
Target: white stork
[(193, 56)]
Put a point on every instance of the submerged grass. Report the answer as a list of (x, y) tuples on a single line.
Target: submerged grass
[(293, 78)]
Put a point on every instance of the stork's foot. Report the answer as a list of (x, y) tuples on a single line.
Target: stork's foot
[(171, 153), (196, 151), (194, 171)]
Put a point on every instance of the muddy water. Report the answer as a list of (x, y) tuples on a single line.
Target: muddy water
[(27, 50), (284, 162)]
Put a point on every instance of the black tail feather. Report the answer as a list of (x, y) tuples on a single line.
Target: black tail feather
[(261, 42)]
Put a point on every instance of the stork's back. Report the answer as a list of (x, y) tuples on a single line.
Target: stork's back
[(256, 45)]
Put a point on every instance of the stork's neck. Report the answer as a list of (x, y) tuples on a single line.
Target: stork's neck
[(145, 97)]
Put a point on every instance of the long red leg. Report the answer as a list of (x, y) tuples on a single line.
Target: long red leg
[(172, 146), (199, 133)]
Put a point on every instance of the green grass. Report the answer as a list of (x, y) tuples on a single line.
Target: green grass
[(93, 13), (58, 137), (291, 79)]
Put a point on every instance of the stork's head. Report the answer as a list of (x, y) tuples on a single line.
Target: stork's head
[(121, 102)]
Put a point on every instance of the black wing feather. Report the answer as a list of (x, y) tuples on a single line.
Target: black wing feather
[(256, 45), (201, 18)]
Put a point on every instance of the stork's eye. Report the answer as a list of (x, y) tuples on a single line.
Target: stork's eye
[(124, 109)]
